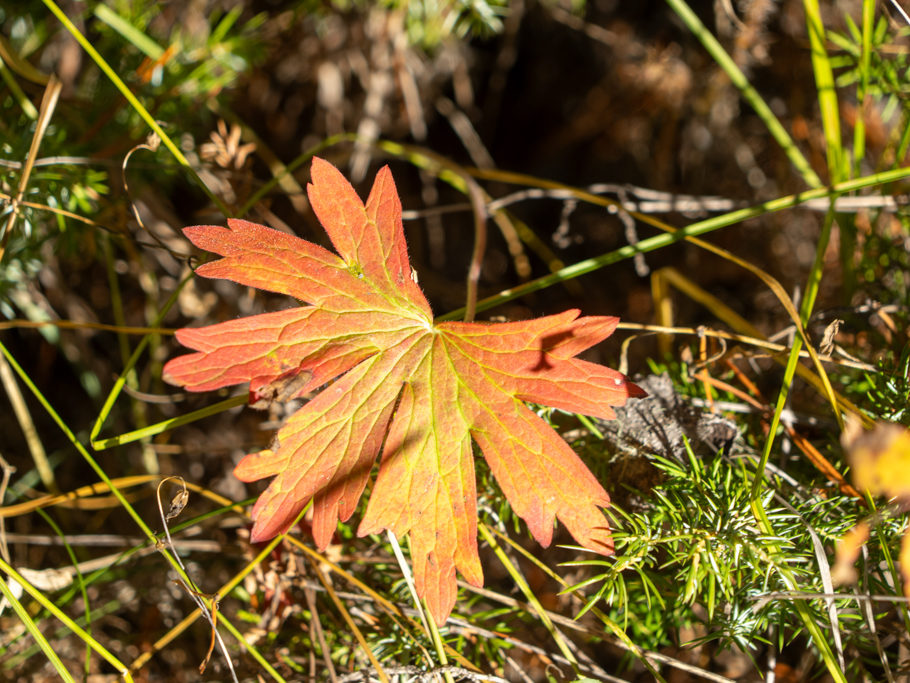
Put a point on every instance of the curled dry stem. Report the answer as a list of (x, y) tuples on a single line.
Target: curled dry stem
[(207, 604)]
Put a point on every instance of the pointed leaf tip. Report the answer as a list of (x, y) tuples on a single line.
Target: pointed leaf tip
[(399, 388)]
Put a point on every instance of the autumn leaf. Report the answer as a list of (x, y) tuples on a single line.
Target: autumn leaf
[(879, 458), (395, 383), (880, 463)]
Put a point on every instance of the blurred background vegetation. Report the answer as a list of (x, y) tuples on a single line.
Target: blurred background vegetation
[(617, 101)]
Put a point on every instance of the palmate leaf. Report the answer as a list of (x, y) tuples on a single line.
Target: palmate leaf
[(398, 384)]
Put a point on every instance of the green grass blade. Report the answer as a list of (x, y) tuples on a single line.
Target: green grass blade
[(130, 33), (838, 165), (862, 89), (277, 179), (35, 632), (51, 607), (157, 428), (78, 579), (131, 511), (10, 56), (18, 94), (761, 516), (691, 230), (529, 595), (250, 648), (134, 101), (837, 171), (131, 363), (224, 591), (827, 92), (749, 93)]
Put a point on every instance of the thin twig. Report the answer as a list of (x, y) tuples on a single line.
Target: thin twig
[(8, 471), (200, 545), (764, 598), (745, 339), (825, 572), (316, 626), (480, 246), (80, 325), (417, 674), (869, 616), (48, 104), (152, 143), (573, 625), (648, 201), (346, 615), (207, 604)]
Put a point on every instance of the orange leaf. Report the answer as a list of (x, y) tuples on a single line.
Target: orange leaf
[(880, 458), (400, 386)]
